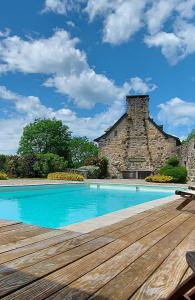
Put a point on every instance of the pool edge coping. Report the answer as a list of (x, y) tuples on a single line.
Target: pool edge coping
[(117, 216)]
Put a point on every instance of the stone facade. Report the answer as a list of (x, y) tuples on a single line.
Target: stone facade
[(135, 145), (187, 157)]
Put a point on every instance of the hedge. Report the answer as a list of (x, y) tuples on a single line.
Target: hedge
[(3, 176), (159, 179), (65, 176)]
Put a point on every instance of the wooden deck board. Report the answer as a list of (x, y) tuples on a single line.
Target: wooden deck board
[(61, 247), (160, 282), (132, 259)]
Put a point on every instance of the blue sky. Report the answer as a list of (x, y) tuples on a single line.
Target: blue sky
[(77, 60)]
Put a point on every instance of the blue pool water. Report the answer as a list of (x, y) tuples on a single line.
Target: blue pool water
[(55, 206)]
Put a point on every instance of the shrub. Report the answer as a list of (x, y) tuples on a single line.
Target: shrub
[(3, 176), (159, 178), (174, 169), (91, 172), (26, 166), (14, 165), (178, 173), (173, 161), (102, 163), (65, 176), (48, 163)]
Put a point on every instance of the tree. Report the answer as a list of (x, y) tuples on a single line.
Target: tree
[(190, 136), (81, 149), (45, 136)]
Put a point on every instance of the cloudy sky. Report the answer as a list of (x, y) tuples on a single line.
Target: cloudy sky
[(76, 60)]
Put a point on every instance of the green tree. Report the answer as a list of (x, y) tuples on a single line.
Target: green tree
[(45, 136), (190, 136), (81, 149)]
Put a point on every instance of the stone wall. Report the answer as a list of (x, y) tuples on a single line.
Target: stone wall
[(161, 147), (187, 157), (135, 142), (112, 147)]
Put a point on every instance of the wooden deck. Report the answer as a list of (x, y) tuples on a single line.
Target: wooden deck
[(142, 257)]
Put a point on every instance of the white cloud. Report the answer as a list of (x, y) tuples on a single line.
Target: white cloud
[(5, 33), (90, 88), (101, 7), (124, 21), (175, 46), (123, 18), (186, 9), (177, 112), (71, 73), (169, 43), (56, 54), (71, 24), (140, 86), (158, 14), (61, 7)]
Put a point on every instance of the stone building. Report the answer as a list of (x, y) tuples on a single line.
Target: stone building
[(187, 157), (135, 145)]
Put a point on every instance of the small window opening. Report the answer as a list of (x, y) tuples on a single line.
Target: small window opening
[(115, 133)]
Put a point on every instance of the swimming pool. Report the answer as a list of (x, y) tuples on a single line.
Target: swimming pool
[(56, 206)]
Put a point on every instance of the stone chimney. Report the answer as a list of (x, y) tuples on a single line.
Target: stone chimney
[(137, 106)]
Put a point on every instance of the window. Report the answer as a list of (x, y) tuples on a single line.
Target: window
[(115, 133)]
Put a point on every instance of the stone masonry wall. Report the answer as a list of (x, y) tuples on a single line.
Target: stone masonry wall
[(113, 148), (187, 157), (161, 148), (135, 143)]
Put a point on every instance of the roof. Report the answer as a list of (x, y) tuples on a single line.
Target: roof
[(178, 142), (110, 128), (164, 133)]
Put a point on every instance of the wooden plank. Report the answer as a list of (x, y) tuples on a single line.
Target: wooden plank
[(132, 219), (20, 234), (12, 227), (187, 274), (169, 274), (43, 254), (7, 223), (51, 283), (75, 239), (31, 240), (94, 280), (127, 282)]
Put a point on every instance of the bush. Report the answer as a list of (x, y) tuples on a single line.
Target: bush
[(173, 161), (179, 173), (48, 163), (90, 172), (26, 166), (173, 169), (65, 176), (159, 178), (102, 163), (3, 176), (14, 165)]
